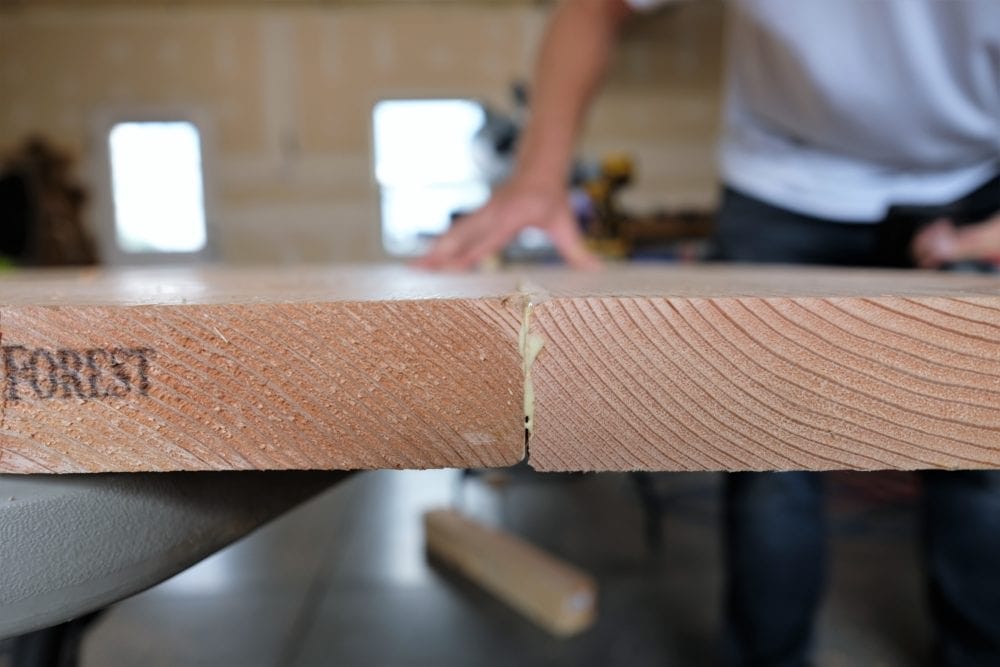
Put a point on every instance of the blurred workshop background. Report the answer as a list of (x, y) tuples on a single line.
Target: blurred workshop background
[(311, 118), (252, 132)]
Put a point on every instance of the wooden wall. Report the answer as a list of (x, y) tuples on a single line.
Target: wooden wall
[(283, 94)]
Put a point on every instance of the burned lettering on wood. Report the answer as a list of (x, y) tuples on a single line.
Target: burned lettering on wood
[(96, 373)]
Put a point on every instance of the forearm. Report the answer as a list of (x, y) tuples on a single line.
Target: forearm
[(572, 61), (574, 55)]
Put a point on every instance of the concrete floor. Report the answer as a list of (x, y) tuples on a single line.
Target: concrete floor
[(343, 580)]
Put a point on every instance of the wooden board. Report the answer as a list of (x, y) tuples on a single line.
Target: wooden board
[(556, 595), (767, 369), (243, 369), (381, 367)]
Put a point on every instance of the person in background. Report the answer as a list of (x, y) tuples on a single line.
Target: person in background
[(941, 243), (848, 126)]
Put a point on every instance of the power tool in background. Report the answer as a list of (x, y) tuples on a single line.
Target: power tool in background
[(595, 189)]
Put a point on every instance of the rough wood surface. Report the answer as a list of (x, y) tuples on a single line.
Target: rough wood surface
[(376, 367), (341, 369), (556, 595), (767, 369)]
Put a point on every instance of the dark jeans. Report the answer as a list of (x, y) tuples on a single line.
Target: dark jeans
[(775, 550)]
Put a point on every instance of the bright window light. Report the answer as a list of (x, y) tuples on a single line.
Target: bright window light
[(157, 187), (425, 168)]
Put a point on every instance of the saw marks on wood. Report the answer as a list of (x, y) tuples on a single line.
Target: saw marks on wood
[(260, 383), (720, 368), (736, 368), (772, 382)]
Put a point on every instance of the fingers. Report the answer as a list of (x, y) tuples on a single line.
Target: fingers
[(490, 229), (476, 252), (455, 244), (935, 245), (568, 241)]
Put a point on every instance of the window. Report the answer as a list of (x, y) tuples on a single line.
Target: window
[(157, 189), (425, 168)]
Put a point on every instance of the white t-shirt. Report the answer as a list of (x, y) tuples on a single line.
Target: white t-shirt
[(841, 108)]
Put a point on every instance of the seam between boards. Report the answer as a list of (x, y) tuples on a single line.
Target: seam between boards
[(529, 345)]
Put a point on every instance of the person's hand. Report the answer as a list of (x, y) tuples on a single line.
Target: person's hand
[(936, 244), (510, 210), (943, 243)]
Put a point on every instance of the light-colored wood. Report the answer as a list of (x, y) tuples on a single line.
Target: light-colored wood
[(722, 368), (767, 369), (554, 594), (332, 369)]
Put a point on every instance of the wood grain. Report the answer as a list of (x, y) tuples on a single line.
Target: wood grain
[(768, 369), (721, 368), (367, 368)]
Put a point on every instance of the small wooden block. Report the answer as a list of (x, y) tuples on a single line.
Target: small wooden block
[(554, 594)]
